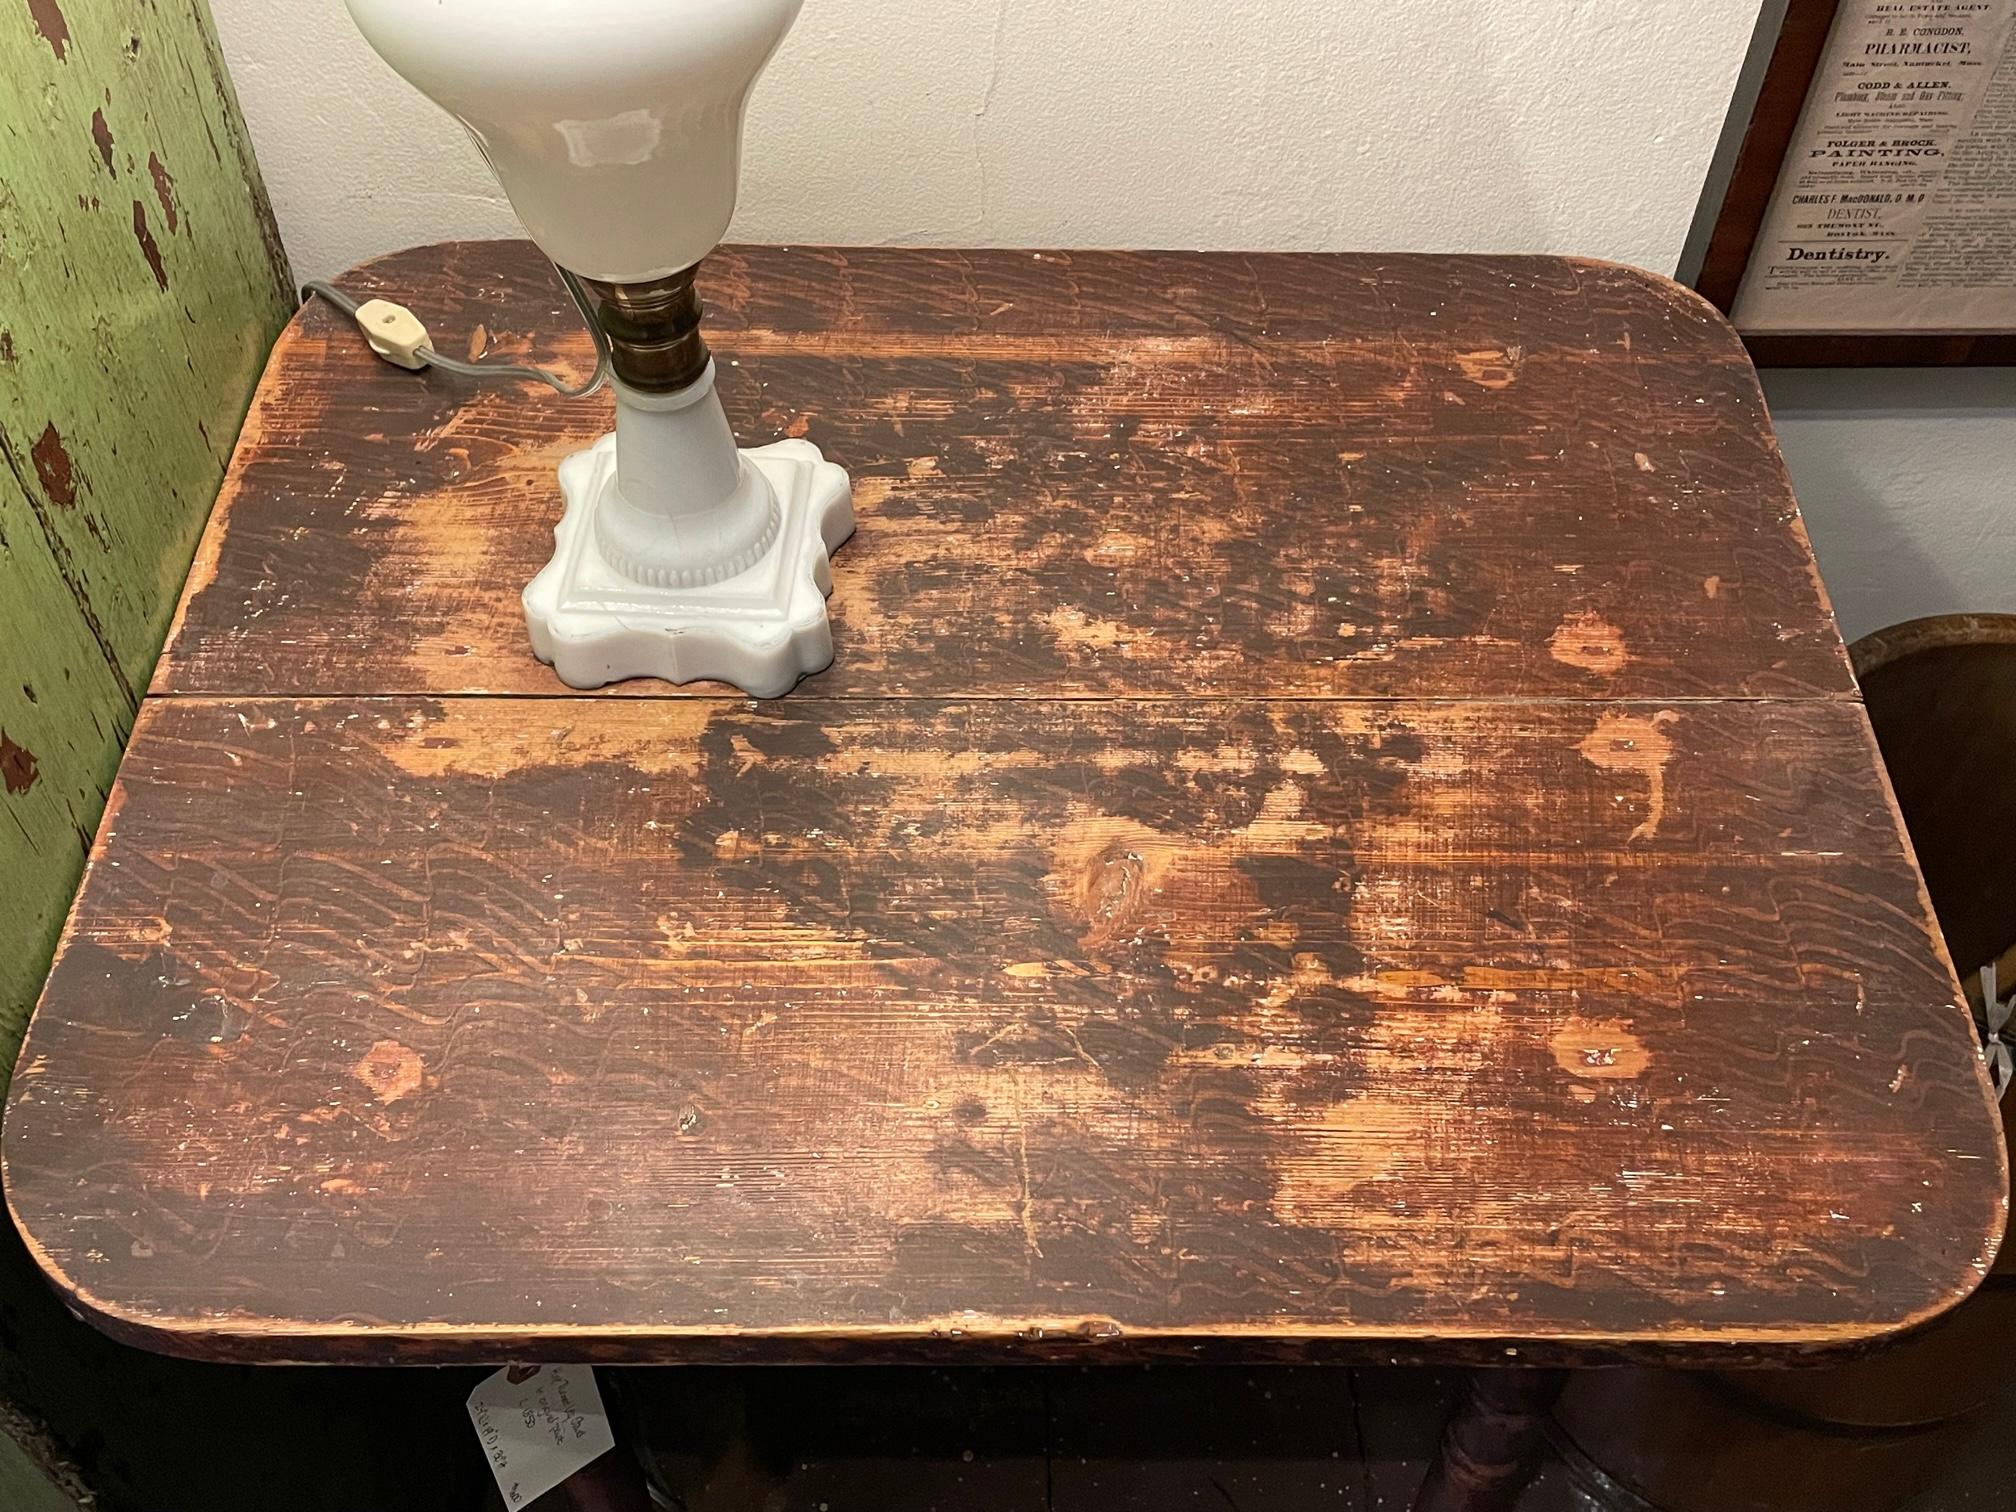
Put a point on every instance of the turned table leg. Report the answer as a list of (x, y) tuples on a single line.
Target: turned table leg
[(614, 1483), (1493, 1443)]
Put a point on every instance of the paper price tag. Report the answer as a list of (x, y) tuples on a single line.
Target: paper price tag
[(538, 1426)]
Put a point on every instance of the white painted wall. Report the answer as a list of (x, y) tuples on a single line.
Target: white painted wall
[(1908, 482), (1480, 125), (1520, 125)]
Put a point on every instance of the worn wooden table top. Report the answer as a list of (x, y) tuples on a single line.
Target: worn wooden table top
[(1341, 827)]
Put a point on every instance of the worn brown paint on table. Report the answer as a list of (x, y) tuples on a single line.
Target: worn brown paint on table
[(869, 1019), (1093, 473), (1038, 979)]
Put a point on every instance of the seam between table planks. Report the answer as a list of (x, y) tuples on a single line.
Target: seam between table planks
[(1846, 698)]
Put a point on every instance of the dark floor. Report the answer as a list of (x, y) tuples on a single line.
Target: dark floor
[(1981, 1476), (1115, 1440)]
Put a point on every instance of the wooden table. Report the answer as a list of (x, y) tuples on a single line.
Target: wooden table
[(1341, 828)]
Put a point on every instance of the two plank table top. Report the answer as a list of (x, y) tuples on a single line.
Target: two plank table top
[(1341, 827)]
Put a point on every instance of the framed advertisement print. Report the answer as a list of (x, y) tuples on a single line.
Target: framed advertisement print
[(1870, 213)]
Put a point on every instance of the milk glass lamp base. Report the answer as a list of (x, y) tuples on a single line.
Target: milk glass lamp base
[(761, 630)]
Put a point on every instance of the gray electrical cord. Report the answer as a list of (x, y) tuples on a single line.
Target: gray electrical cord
[(487, 370)]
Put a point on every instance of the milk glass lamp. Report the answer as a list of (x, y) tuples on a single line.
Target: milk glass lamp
[(615, 127)]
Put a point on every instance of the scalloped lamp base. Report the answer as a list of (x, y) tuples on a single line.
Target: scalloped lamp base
[(761, 630)]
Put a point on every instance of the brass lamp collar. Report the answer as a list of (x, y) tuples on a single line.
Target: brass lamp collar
[(653, 330)]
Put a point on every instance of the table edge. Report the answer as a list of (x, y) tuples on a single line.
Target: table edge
[(956, 1340), (246, 1338)]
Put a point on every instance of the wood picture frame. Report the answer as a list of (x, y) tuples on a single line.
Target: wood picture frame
[(1789, 67)]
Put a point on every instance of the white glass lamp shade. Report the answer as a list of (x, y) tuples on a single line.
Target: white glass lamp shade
[(614, 125)]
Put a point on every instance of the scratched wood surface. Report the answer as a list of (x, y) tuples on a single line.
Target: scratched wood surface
[(696, 1026), (1152, 982), (1113, 473)]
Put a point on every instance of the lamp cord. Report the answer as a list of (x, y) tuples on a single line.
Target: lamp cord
[(499, 370)]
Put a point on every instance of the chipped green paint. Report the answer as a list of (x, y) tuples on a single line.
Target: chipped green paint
[(141, 287), (144, 285), (34, 1476)]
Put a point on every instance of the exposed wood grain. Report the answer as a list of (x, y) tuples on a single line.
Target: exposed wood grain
[(1340, 828), (706, 1030), (1078, 475)]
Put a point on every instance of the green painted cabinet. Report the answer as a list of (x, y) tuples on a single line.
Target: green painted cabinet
[(141, 285)]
